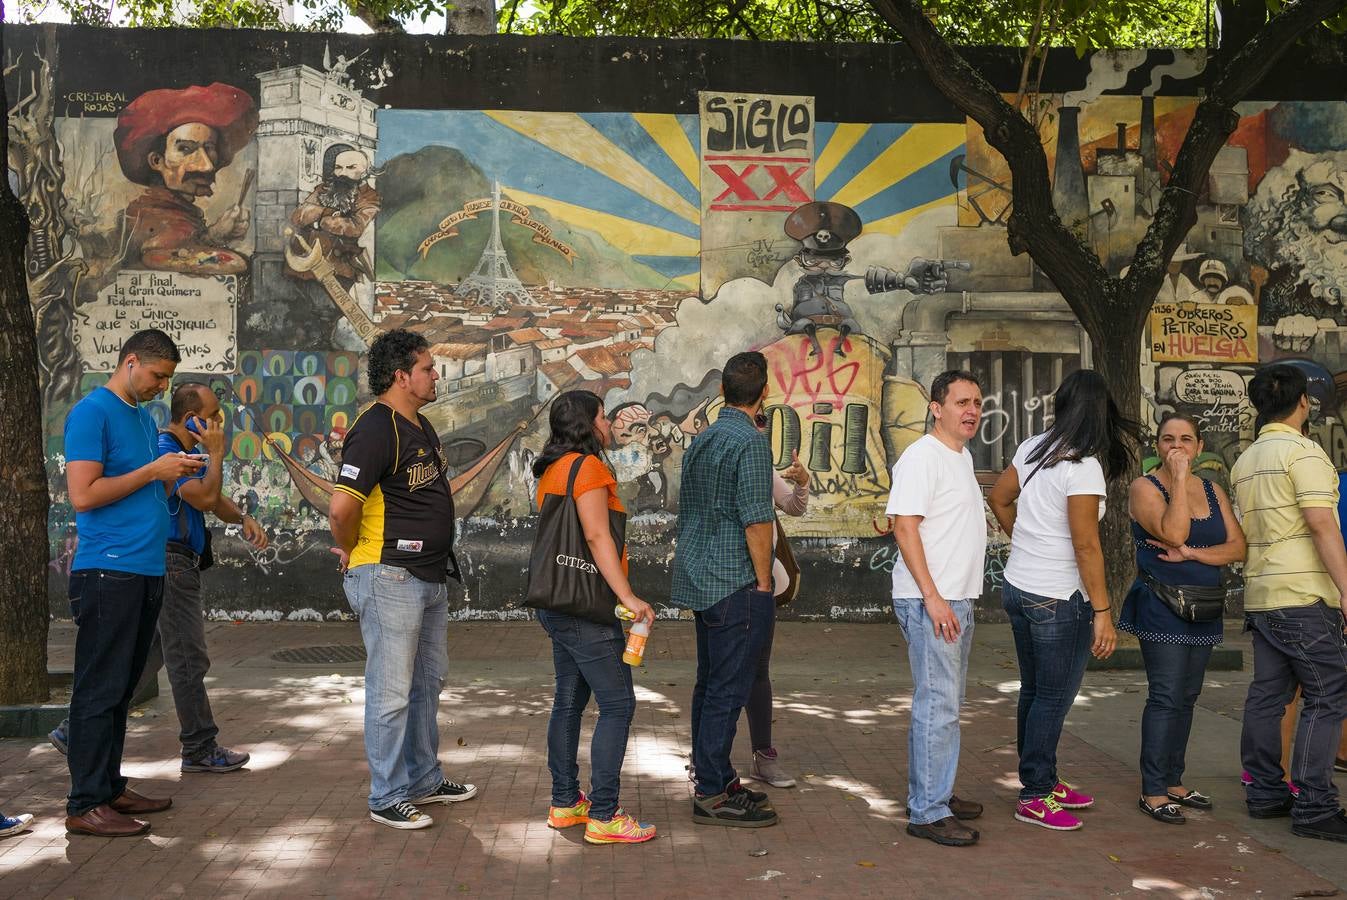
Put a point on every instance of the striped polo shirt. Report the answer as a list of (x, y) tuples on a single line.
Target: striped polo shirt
[(1280, 475)]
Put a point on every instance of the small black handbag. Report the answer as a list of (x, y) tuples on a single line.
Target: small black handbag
[(562, 574), (1190, 602)]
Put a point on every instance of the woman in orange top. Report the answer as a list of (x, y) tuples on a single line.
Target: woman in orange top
[(587, 655)]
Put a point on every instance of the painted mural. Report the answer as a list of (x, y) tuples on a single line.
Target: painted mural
[(278, 222)]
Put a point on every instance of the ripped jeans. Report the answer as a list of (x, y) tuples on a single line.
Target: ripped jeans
[(1052, 641)]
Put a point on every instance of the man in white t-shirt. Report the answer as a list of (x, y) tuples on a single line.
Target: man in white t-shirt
[(935, 507)]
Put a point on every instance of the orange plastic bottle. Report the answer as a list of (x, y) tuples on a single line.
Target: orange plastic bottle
[(636, 638)]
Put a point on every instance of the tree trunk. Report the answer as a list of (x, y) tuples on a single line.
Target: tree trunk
[(470, 17), (1117, 360), (23, 474)]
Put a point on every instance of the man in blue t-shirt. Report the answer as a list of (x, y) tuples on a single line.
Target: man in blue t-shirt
[(115, 478), (196, 425)]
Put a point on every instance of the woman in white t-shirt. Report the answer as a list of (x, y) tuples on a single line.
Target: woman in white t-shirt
[(1050, 500)]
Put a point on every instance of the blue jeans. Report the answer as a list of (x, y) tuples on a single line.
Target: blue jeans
[(115, 615), (939, 675), (404, 622), (730, 635), (1052, 641), (1174, 674), (1299, 645), (587, 657)]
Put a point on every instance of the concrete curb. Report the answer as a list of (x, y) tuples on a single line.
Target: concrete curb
[(37, 719)]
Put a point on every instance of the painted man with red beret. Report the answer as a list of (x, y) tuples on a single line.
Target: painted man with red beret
[(174, 142)]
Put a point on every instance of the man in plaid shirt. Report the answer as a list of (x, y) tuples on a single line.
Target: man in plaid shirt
[(723, 572)]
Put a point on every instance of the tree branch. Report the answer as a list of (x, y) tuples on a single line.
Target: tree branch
[(509, 23), (1033, 225), (1029, 51), (379, 20), (1214, 120)]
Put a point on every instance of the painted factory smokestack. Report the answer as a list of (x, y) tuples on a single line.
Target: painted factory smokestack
[(1148, 134), (1068, 177)]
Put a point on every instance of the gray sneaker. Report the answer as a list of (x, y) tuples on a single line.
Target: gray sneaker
[(219, 759), (768, 770), (736, 810)]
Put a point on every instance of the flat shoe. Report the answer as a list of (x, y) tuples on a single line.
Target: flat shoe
[(1166, 812), (1192, 799)]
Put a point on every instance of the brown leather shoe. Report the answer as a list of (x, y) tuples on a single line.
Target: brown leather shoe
[(132, 804), (104, 821), (964, 810), (947, 831)]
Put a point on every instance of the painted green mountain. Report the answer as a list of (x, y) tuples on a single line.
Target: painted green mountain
[(419, 189)]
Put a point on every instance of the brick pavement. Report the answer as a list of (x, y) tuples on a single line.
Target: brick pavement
[(294, 823)]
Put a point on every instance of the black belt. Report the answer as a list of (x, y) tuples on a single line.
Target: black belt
[(184, 550)]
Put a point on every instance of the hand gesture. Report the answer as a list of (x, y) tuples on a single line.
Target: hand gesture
[(253, 533), (796, 471), (1105, 638), (944, 622), (1171, 554), (343, 559), (1295, 333), (642, 609), (925, 276), (1178, 464), (233, 225), (172, 466), (212, 438)]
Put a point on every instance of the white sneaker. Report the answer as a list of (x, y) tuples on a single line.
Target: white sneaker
[(768, 770), (15, 825), (401, 815)]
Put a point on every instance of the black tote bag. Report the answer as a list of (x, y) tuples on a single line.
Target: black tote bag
[(562, 574)]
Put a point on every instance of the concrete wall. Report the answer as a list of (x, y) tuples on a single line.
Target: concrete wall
[(612, 214)]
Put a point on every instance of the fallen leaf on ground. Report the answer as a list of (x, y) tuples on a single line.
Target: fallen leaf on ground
[(1113, 858), (865, 863), (462, 743), (137, 713), (761, 851)]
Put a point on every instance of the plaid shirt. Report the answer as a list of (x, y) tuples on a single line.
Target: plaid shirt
[(726, 487)]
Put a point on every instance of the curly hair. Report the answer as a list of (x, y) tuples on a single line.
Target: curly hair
[(1279, 231), (392, 352)]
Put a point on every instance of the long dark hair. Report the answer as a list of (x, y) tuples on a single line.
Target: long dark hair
[(572, 422), (1086, 422)]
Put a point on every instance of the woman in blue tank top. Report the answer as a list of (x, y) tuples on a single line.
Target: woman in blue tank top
[(1184, 531)]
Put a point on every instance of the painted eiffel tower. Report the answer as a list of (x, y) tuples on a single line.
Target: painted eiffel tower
[(493, 281)]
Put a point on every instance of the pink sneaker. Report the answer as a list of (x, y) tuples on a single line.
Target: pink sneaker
[(1246, 779), (1068, 797), (1047, 813)]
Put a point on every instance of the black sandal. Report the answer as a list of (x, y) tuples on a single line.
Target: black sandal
[(1168, 812), (1192, 799)]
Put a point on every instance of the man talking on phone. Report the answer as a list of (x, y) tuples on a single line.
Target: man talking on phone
[(196, 427)]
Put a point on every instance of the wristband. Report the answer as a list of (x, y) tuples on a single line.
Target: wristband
[(1105, 609)]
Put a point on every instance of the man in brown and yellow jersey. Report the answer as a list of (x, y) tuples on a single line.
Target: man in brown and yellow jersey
[(392, 517)]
